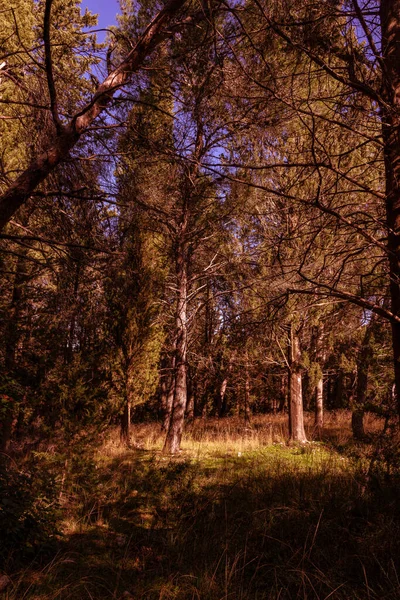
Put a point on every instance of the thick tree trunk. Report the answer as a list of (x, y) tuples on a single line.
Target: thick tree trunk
[(390, 27), (357, 424), (174, 435), (167, 394), (296, 416)]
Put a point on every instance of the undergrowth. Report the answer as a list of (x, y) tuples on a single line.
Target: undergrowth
[(233, 517)]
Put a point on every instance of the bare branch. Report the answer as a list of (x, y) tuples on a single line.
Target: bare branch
[(49, 67)]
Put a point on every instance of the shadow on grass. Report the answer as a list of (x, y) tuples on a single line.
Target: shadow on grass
[(277, 524)]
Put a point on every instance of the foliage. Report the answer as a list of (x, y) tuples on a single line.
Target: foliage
[(29, 511)]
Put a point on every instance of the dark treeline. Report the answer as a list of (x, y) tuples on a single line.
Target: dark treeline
[(200, 217)]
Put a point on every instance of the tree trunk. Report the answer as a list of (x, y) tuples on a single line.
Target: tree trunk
[(126, 424), (191, 395), (319, 403), (296, 416), (357, 424), (221, 404), (247, 392), (319, 387), (167, 394), (363, 362), (174, 435), (306, 391), (221, 400), (390, 27), (283, 395)]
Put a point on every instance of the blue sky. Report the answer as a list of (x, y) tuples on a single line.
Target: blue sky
[(106, 9)]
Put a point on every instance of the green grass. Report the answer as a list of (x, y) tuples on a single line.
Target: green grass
[(230, 518)]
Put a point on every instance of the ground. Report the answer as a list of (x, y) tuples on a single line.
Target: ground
[(238, 515)]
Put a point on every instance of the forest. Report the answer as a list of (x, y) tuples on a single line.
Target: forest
[(200, 300)]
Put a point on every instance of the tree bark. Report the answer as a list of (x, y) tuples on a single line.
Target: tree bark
[(174, 435), (191, 396), (247, 410), (319, 387), (357, 423), (296, 416), (221, 403), (363, 363), (126, 423), (319, 403), (283, 394), (168, 390), (390, 110)]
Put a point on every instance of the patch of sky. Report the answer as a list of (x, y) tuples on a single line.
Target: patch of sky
[(106, 10)]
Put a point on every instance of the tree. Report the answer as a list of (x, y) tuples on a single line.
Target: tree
[(67, 130), (345, 52)]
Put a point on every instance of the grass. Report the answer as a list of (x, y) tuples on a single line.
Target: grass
[(238, 515)]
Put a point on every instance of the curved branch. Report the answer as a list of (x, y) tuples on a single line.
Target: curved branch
[(60, 148)]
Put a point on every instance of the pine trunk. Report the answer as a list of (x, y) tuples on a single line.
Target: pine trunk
[(221, 406), (174, 435), (283, 394), (247, 410), (363, 362), (357, 424), (167, 397), (126, 424), (191, 397), (319, 404), (390, 27), (319, 387), (296, 416)]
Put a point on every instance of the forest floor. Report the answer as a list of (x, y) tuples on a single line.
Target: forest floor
[(239, 515)]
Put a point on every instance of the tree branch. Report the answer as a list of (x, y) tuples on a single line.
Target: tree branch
[(49, 67), (59, 149)]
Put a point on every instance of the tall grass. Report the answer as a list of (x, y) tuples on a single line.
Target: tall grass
[(238, 515)]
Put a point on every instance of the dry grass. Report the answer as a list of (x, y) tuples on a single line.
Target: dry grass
[(238, 515), (232, 435)]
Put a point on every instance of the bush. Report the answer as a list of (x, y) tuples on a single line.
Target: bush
[(28, 510)]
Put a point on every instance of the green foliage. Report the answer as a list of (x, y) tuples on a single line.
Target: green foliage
[(73, 398), (314, 373), (28, 510)]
